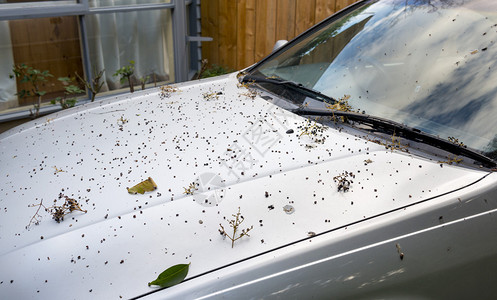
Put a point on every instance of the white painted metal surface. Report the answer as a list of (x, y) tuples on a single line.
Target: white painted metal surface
[(239, 152)]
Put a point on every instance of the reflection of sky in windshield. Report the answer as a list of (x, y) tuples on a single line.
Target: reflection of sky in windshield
[(426, 66)]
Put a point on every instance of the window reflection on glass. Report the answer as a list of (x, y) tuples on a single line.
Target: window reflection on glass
[(44, 44), (142, 37), (103, 3)]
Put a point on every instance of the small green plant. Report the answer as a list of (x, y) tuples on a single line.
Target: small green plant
[(235, 224), (143, 81), (35, 78), (125, 73), (95, 85), (215, 70), (69, 90)]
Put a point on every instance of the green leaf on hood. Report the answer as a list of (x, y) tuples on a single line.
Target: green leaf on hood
[(171, 276), (142, 187)]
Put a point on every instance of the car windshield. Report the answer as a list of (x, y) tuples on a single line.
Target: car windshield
[(428, 64)]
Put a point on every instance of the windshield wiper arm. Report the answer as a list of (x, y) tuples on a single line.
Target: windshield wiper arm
[(401, 130), (298, 87)]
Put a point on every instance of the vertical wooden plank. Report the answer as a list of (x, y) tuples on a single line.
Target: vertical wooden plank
[(260, 28), (227, 33), (241, 20), (305, 15), (222, 31), (271, 26), (246, 33), (210, 27), (341, 4), (324, 9), (285, 19), (231, 59), (265, 35)]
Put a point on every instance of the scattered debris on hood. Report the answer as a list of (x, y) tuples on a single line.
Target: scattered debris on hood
[(211, 95), (344, 181), (250, 93), (341, 105), (121, 121), (57, 211), (314, 130), (235, 224), (394, 144), (191, 188), (456, 141), (289, 209), (167, 90), (399, 250), (147, 185), (451, 159)]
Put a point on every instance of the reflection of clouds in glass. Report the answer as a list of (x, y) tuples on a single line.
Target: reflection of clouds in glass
[(424, 61), (462, 93)]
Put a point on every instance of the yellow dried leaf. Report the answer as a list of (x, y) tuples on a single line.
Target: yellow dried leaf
[(142, 187)]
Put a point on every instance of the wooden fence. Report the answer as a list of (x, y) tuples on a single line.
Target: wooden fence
[(244, 31)]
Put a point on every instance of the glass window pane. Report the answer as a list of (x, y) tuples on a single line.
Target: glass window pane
[(43, 44), (103, 3), (142, 37), (8, 89), (35, 1)]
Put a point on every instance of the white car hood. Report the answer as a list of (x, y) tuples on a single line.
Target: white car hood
[(210, 132)]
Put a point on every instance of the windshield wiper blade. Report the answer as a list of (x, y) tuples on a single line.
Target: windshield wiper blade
[(298, 87), (401, 130)]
